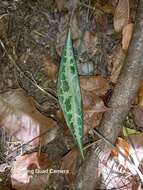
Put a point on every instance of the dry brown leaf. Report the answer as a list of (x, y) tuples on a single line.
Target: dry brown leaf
[(69, 162), (90, 41), (123, 144), (132, 146), (44, 161), (60, 4), (122, 14), (91, 103), (23, 122), (123, 171), (50, 68), (118, 61), (96, 84), (127, 35), (21, 178), (138, 116)]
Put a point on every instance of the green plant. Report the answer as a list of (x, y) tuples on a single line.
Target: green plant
[(69, 94)]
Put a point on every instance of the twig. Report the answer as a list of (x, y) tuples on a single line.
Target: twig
[(27, 143)]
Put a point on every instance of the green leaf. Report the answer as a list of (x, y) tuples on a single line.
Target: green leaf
[(69, 93), (128, 131)]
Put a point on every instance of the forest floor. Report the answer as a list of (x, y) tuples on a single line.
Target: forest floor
[(32, 36)]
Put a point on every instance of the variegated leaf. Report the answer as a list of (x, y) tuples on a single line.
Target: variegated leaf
[(69, 93)]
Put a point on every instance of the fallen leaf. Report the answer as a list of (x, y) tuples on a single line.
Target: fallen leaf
[(91, 103), (138, 116), (24, 166), (127, 35), (69, 162), (118, 61), (50, 68), (96, 84), (44, 161), (90, 40), (132, 146), (60, 4), (122, 14), (118, 173), (102, 22), (23, 122), (121, 144)]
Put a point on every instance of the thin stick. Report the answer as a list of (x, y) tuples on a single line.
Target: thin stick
[(27, 143)]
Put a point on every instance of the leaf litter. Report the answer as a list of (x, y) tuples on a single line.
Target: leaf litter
[(100, 54)]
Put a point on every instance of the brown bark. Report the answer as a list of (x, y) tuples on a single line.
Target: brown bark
[(124, 93)]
